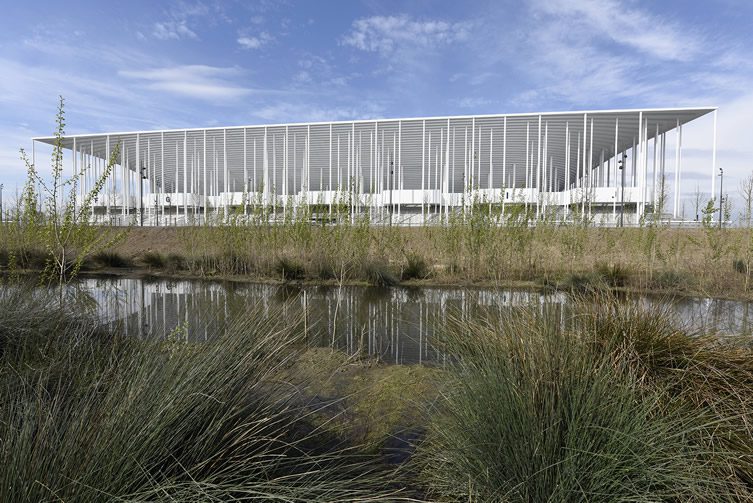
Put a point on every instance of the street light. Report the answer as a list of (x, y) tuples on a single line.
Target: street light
[(1, 201), (721, 197), (621, 166)]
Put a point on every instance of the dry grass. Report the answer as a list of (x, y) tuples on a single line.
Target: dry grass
[(614, 404), (699, 261)]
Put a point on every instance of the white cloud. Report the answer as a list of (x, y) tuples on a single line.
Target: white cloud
[(173, 30), (473, 102), (385, 34), (195, 81), (295, 112), (183, 17), (254, 42), (623, 24)]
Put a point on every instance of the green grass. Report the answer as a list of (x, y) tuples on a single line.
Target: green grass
[(379, 273), (415, 267), (88, 415), (153, 260), (110, 259), (617, 406)]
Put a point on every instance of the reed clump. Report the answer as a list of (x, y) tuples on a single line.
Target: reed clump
[(613, 405), (87, 414), (110, 259)]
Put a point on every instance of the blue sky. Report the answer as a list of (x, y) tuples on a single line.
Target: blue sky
[(151, 65)]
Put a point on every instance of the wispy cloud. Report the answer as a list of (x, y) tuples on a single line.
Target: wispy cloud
[(302, 112), (183, 18), (624, 24), (195, 81), (254, 41), (173, 30), (385, 34)]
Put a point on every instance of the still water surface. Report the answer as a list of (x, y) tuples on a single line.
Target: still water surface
[(393, 324)]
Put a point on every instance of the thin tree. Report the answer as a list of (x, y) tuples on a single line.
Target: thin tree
[(697, 202), (746, 191), (66, 227)]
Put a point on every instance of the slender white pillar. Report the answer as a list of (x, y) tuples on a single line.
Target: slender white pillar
[(423, 168), (538, 169), (616, 163), (399, 164), (206, 193), (504, 164), (713, 158), (675, 199)]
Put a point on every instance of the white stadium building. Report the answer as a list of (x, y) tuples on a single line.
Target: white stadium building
[(560, 165)]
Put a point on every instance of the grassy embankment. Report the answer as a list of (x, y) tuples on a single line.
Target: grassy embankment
[(705, 261), (616, 404)]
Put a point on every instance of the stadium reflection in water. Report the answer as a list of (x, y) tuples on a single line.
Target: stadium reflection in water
[(393, 324)]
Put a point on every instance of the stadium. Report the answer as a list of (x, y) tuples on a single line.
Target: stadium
[(610, 166)]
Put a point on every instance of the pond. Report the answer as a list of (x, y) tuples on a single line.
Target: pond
[(393, 324)]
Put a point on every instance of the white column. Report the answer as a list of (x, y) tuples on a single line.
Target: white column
[(677, 171), (123, 181), (109, 176), (265, 170), (399, 167), (585, 162), (528, 156), (138, 177), (654, 169), (162, 171), (446, 172), (616, 164), (713, 159), (504, 164), (185, 173), (538, 169), (206, 194), (423, 168)]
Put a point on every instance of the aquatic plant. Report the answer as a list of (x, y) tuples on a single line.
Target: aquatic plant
[(87, 415), (599, 410)]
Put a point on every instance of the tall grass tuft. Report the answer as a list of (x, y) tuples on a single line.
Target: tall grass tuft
[(415, 267), (88, 415), (110, 259), (536, 412), (153, 260), (379, 273), (289, 269)]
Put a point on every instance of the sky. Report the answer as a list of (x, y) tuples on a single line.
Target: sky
[(141, 65)]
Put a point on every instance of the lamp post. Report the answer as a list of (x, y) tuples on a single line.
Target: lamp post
[(721, 197), (621, 167), (1, 202)]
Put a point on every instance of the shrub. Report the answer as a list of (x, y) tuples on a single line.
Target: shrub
[(289, 269), (110, 259), (583, 283), (740, 266), (531, 411), (379, 274), (175, 262), (153, 260), (613, 275), (325, 270), (32, 258), (86, 413), (415, 267), (672, 280)]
